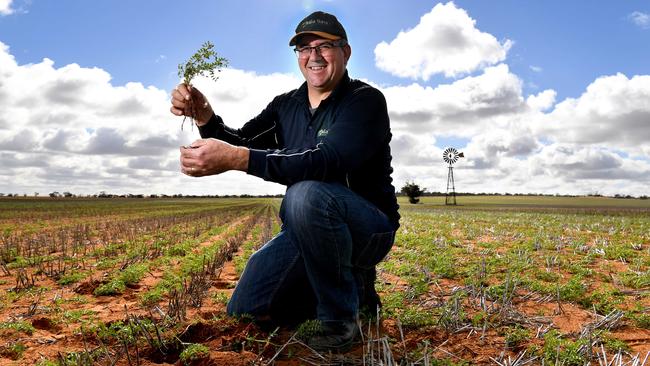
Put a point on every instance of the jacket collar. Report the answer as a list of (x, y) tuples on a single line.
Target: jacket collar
[(301, 93)]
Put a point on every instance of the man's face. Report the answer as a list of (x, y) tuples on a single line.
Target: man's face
[(323, 72)]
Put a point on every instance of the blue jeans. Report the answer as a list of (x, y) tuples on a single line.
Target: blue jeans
[(331, 238)]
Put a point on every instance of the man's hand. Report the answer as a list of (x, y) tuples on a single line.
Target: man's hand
[(212, 156), (184, 95)]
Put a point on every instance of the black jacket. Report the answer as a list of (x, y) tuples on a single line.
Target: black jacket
[(346, 140)]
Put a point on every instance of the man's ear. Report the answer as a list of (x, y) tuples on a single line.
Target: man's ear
[(347, 52)]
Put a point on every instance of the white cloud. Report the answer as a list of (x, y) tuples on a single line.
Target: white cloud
[(613, 112), (596, 143), (69, 128), (640, 19), (536, 68), (5, 7), (446, 41), (462, 108), (542, 101), (240, 95)]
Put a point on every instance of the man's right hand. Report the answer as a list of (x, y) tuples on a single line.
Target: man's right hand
[(185, 98)]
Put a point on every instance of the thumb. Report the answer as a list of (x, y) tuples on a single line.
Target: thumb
[(199, 143)]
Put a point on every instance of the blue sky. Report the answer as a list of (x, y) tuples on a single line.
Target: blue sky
[(561, 47), (573, 42)]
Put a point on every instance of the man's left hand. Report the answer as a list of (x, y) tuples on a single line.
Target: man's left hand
[(211, 156)]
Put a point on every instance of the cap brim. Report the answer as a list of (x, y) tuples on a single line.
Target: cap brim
[(331, 37)]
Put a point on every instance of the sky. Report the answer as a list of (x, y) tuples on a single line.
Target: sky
[(541, 96)]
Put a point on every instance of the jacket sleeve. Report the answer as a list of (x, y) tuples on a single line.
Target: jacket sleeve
[(360, 128), (260, 132)]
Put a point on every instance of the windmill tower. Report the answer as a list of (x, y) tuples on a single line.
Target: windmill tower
[(450, 156)]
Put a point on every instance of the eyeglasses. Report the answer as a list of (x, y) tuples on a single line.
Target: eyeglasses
[(324, 49)]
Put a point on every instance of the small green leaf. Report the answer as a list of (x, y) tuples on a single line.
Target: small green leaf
[(205, 60)]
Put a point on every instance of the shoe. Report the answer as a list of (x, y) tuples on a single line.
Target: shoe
[(335, 336), (370, 303), (369, 300)]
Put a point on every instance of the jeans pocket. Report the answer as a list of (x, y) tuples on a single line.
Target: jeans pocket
[(375, 250)]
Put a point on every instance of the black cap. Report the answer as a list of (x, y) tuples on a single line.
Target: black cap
[(321, 24)]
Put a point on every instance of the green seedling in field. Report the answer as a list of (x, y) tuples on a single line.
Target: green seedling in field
[(113, 287), (71, 278), (13, 351), (635, 280), (641, 320), (81, 358), (308, 329), (152, 297), (516, 336), (18, 326), (221, 298), (127, 277), (614, 344), (76, 316), (117, 331), (194, 352), (561, 351), (47, 363)]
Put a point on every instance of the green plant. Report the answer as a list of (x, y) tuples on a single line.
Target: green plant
[(414, 317), (308, 329), (152, 297), (614, 344), (75, 316), (47, 363), (18, 326), (113, 287), (127, 277), (132, 274), (117, 331), (546, 276), (13, 351), (221, 298), (516, 336), (194, 352), (635, 279), (573, 290), (560, 351), (69, 278), (205, 60), (78, 358)]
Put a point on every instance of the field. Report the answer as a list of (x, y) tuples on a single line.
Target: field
[(495, 280)]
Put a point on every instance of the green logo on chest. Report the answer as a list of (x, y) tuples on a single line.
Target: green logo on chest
[(322, 133)]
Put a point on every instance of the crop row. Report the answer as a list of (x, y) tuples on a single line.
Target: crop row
[(516, 275), (180, 256)]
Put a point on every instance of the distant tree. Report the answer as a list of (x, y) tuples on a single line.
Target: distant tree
[(55, 194), (35, 194), (67, 194), (413, 191)]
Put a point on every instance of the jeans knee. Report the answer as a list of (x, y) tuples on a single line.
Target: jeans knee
[(305, 190), (304, 201)]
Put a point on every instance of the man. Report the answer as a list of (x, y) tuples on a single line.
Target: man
[(328, 141)]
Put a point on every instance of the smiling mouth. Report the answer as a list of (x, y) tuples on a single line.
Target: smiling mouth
[(316, 68)]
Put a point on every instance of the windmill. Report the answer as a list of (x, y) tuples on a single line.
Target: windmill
[(450, 156)]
